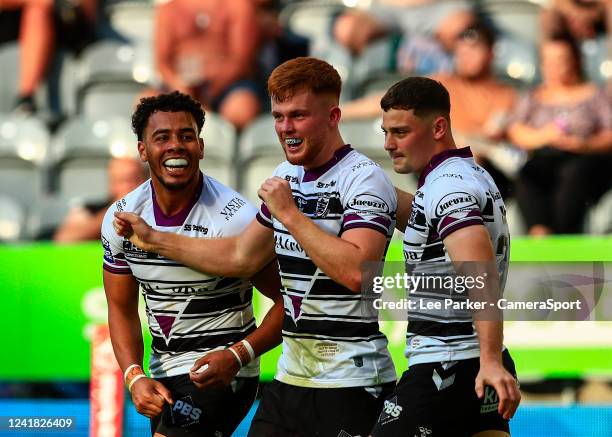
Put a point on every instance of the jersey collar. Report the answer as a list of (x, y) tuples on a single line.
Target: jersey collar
[(439, 158), (177, 219), (315, 173)]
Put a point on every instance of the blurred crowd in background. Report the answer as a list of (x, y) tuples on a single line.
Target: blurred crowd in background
[(530, 85)]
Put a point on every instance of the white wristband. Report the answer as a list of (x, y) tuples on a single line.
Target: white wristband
[(236, 355), (130, 367), (136, 378), (249, 348)]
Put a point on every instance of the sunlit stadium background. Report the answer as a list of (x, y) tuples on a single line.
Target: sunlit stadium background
[(53, 297)]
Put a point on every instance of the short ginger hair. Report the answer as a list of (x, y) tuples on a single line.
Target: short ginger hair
[(304, 74)]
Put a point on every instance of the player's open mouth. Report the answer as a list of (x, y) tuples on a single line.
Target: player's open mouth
[(293, 143), (175, 164)]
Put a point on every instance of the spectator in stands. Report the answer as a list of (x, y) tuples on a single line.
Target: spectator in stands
[(580, 18), (30, 21), (429, 29), (208, 49), (84, 222), (566, 125), (480, 104), (42, 27), (278, 43)]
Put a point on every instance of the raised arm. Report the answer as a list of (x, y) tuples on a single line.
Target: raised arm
[(121, 291), (241, 256), (340, 258), (473, 243)]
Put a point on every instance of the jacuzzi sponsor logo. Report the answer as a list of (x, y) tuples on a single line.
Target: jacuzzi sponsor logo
[(369, 202), (455, 202)]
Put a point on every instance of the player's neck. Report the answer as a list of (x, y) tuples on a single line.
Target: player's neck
[(173, 201), (327, 153)]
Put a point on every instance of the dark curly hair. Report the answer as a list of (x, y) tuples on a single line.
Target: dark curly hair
[(171, 102)]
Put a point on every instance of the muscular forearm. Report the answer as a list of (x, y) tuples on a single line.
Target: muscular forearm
[(215, 256), (339, 259), (126, 336), (268, 334), (490, 338)]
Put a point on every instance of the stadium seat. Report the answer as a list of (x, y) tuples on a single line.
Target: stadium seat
[(23, 149), (111, 75), (111, 61), (366, 136), (515, 17), (376, 61), (259, 154), (313, 20), (46, 216), (9, 75), (219, 150), (133, 20), (108, 99), (517, 25), (12, 218), (516, 61), (82, 148), (597, 60)]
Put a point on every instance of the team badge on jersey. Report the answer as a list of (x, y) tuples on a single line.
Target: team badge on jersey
[(322, 208)]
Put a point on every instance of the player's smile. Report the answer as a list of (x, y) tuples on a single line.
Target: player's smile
[(172, 148), (300, 122), (175, 166)]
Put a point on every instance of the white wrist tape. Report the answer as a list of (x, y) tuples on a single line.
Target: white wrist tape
[(249, 348), (237, 356), (136, 378), (130, 367)]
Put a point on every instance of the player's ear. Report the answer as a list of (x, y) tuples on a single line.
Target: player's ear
[(142, 151), (201, 141), (334, 115), (440, 127)]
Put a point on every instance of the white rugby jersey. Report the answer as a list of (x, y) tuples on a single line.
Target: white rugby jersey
[(189, 313), (327, 341), (453, 192)]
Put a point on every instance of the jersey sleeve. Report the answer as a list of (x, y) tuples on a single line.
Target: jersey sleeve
[(369, 199), (114, 257), (453, 203)]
